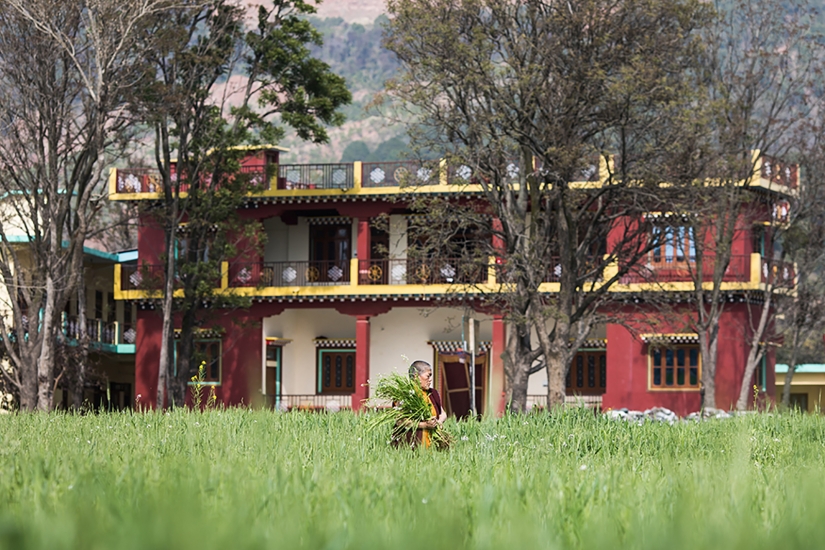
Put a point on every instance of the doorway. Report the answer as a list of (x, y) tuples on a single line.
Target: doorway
[(329, 253), (454, 380)]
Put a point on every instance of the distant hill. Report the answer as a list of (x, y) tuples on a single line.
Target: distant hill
[(354, 51), (352, 11)]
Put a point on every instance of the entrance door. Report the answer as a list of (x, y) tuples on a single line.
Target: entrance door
[(455, 381), (329, 253)]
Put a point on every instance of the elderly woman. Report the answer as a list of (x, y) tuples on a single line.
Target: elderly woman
[(422, 371)]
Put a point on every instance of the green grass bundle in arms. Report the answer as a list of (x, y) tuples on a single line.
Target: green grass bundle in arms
[(410, 406)]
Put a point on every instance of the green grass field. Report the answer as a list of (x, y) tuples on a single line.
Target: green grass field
[(257, 479)]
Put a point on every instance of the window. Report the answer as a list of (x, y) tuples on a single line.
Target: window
[(110, 307), (588, 374), (677, 244), (336, 371), (799, 401), (676, 367), (208, 351), (272, 374)]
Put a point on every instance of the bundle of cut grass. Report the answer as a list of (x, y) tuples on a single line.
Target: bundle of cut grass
[(410, 406)]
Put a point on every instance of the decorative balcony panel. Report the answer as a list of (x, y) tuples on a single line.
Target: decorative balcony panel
[(282, 274), (138, 180), (779, 274), (779, 172), (315, 176), (738, 271), (108, 335), (398, 174), (431, 271)]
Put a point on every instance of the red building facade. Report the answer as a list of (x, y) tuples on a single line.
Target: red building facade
[(336, 303)]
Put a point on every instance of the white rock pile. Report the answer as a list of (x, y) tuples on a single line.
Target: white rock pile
[(661, 414)]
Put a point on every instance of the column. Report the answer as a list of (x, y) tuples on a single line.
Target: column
[(499, 344), (362, 360), (364, 247)]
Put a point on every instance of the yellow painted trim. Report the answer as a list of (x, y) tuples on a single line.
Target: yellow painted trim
[(278, 340), (353, 272), (117, 276), (442, 172), (224, 275), (357, 176), (491, 271), (112, 181), (756, 268)]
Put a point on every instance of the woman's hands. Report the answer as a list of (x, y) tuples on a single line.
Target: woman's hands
[(428, 424)]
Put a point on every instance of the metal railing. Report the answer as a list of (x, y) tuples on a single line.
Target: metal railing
[(398, 174), (309, 402), (98, 330), (143, 277), (539, 401), (315, 176), (138, 180), (430, 271), (778, 273), (148, 180), (738, 271), (780, 172), (280, 274)]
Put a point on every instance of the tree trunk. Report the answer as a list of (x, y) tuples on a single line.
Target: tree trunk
[(517, 362), (754, 354), (45, 362), (556, 379), (79, 380), (186, 346), (786, 389), (708, 343)]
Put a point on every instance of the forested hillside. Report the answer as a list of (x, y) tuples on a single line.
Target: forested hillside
[(354, 51)]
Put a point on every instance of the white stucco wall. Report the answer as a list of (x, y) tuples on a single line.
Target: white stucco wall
[(400, 332)]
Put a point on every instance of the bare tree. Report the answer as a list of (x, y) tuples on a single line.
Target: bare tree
[(758, 74), (64, 71), (531, 99)]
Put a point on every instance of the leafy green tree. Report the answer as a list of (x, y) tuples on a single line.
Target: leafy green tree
[(201, 123)]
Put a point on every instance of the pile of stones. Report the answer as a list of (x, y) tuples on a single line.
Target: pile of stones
[(661, 414)]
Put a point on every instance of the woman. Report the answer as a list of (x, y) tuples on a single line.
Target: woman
[(402, 436)]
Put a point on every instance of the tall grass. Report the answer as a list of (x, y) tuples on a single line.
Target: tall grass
[(255, 479)]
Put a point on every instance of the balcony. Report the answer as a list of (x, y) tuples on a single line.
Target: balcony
[(739, 270), (112, 337), (309, 402), (433, 276)]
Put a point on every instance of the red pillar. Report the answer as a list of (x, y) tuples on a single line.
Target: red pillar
[(362, 360), (364, 243), (499, 344)]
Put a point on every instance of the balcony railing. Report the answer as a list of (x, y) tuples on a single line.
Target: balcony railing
[(315, 176), (539, 401), (779, 172), (148, 180), (778, 273), (309, 402), (398, 174), (430, 271), (738, 271), (98, 331), (142, 277), (280, 274)]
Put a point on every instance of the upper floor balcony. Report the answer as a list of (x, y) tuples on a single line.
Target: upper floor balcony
[(437, 277), (276, 179)]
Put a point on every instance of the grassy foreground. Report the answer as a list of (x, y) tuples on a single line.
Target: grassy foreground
[(257, 479)]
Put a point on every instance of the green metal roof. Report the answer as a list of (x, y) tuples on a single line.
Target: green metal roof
[(805, 368)]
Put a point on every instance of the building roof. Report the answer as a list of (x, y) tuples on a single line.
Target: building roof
[(805, 368)]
